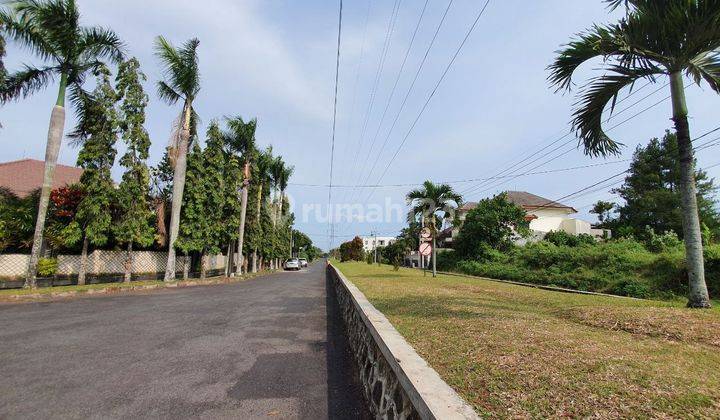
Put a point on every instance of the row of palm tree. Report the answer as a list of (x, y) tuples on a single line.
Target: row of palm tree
[(52, 30)]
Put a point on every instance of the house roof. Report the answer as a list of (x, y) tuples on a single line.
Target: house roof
[(527, 201), (22, 177)]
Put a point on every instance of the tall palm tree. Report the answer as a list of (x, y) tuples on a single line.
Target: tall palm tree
[(262, 164), (276, 173), (240, 138), (285, 175), (433, 201), (51, 29), (655, 39), (182, 83)]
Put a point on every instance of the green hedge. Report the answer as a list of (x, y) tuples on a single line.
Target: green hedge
[(623, 267)]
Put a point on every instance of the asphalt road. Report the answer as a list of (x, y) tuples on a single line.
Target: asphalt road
[(271, 347)]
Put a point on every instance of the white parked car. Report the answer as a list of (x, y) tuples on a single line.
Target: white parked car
[(292, 264), (303, 262)]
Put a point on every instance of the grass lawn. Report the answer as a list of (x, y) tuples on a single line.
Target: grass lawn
[(514, 351)]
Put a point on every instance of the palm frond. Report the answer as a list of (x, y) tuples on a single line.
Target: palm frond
[(600, 41), (706, 67), (22, 30), (96, 43), (594, 99), (167, 94), (180, 67), (25, 82)]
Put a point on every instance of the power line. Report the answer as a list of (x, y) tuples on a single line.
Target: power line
[(378, 76), (412, 85), (332, 147), (460, 181), (432, 93), (397, 80)]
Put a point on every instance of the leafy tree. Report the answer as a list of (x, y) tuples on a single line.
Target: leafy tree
[(202, 225), (161, 177), (604, 210), (493, 225), (134, 223), (182, 83), (395, 253), (352, 250), (431, 201), (17, 217), (652, 195), (654, 39), (97, 131), (51, 29)]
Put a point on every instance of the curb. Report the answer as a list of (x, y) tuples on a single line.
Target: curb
[(378, 345), (210, 281)]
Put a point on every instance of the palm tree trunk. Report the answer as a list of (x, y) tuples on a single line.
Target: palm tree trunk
[(434, 257), (83, 262), (128, 263), (186, 267), (698, 293), (52, 149), (258, 225), (178, 189), (243, 213)]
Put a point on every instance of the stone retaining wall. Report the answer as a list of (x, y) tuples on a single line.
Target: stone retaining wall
[(397, 382)]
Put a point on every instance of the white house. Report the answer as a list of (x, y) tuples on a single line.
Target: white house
[(372, 242), (544, 216)]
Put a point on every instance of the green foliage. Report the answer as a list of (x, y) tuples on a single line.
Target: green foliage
[(624, 267), (51, 30), (352, 250), (667, 241), (97, 131), (394, 253), (47, 267), (493, 224), (17, 216), (651, 192), (562, 238), (134, 224)]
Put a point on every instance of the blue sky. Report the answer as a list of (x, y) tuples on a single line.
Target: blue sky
[(275, 60)]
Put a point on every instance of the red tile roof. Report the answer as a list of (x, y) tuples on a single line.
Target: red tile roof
[(25, 176)]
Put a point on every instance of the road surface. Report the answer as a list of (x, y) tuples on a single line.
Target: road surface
[(270, 347)]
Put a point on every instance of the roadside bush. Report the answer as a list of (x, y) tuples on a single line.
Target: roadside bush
[(667, 241), (47, 267), (562, 238)]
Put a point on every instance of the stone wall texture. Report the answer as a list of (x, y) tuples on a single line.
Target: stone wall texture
[(398, 383)]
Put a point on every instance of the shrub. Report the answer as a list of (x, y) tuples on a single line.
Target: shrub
[(47, 267), (667, 241), (562, 238)]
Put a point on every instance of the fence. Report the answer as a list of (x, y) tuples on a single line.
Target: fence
[(106, 264)]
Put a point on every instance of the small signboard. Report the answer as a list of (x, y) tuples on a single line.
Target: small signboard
[(425, 249), (425, 234)]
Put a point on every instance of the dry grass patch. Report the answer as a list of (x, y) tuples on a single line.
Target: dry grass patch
[(513, 351)]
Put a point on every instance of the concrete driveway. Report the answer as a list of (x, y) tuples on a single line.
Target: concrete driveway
[(271, 347)]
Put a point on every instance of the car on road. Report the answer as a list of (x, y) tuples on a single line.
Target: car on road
[(303, 262), (292, 264)]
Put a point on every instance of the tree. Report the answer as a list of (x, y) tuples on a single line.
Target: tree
[(182, 83), (494, 224), (431, 201), (202, 224), (133, 225), (97, 131), (262, 177), (51, 29), (240, 138), (654, 39), (652, 195), (352, 250), (604, 210)]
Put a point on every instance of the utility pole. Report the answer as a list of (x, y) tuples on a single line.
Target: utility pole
[(375, 246)]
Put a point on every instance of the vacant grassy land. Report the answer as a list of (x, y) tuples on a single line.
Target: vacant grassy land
[(513, 351)]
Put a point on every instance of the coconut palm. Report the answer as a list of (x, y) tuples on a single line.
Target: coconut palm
[(240, 139), (431, 202), (182, 83), (51, 29), (655, 39)]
